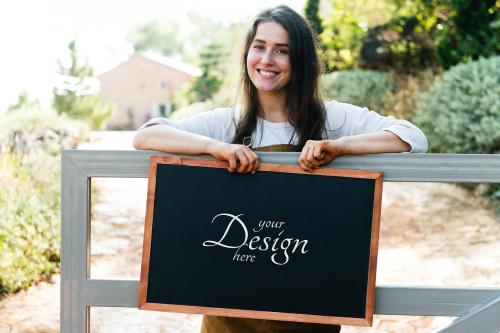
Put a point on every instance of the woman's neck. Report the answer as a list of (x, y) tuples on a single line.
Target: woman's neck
[(273, 107)]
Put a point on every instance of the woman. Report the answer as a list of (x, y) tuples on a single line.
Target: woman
[(281, 111)]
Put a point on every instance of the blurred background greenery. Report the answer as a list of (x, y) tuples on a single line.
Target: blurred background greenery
[(433, 62)]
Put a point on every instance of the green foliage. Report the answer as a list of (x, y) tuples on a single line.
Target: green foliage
[(472, 31), (311, 12), (76, 95), (400, 45), (359, 87), (213, 66), (30, 143), (345, 26), (225, 97), (29, 219), (155, 35), (402, 102), (24, 101), (31, 130), (461, 112), (405, 43)]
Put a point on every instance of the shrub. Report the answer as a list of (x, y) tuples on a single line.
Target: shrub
[(223, 98), (29, 220), (30, 142), (461, 112), (359, 87), (402, 101), (27, 130)]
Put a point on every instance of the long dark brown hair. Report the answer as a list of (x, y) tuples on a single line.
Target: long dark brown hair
[(306, 112)]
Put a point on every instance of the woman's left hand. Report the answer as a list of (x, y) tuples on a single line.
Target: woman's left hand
[(319, 152)]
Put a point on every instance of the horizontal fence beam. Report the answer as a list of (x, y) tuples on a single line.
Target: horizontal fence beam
[(402, 167), (390, 300)]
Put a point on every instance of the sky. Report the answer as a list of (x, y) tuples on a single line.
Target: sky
[(34, 34)]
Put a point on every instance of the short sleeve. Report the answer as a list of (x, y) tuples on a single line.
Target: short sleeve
[(217, 124), (358, 120)]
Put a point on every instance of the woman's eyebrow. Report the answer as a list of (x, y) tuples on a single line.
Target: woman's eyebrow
[(264, 42)]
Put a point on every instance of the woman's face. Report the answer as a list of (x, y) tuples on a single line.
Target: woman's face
[(268, 60)]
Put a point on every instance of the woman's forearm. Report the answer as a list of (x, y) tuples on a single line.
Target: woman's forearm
[(172, 140), (372, 143)]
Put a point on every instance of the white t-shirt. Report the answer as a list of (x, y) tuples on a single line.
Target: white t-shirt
[(342, 119)]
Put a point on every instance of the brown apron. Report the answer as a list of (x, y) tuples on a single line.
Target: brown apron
[(213, 324)]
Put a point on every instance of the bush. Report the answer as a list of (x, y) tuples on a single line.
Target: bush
[(223, 98), (461, 112), (25, 131), (30, 142), (402, 101), (29, 220), (359, 87)]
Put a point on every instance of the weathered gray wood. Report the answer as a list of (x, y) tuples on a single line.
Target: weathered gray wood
[(430, 301), (75, 191), (114, 293), (396, 167), (482, 319), (416, 301)]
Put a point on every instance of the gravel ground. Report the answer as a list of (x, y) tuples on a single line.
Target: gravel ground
[(431, 234)]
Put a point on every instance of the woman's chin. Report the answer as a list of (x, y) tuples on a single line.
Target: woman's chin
[(267, 88)]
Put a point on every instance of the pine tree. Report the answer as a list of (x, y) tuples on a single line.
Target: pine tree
[(311, 12), (212, 60)]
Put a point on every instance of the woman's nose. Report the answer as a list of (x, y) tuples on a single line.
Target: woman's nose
[(267, 58)]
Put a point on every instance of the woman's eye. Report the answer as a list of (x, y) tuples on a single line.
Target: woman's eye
[(282, 51), (258, 47)]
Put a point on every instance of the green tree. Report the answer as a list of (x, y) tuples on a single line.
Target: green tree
[(312, 15), (213, 73), (472, 31), (155, 35), (345, 25), (213, 46), (24, 101), (77, 93)]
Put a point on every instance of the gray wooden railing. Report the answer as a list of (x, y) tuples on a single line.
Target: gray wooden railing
[(477, 309)]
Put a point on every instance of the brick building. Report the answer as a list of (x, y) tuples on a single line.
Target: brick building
[(142, 87)]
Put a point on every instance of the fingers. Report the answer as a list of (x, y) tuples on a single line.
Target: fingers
[(253, 160), (233, 163), (311, 155), (242, 160), (318, 153)]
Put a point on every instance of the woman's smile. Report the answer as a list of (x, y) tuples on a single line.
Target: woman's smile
[(267, 75)]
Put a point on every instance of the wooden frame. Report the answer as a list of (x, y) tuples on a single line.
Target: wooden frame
[(370, 294)]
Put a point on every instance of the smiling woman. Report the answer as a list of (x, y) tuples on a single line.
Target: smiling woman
[(280, 109)]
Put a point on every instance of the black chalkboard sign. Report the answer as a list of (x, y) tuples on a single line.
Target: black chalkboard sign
[(281, 244)]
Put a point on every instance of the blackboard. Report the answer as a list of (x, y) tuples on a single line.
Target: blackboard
[(281, 244)]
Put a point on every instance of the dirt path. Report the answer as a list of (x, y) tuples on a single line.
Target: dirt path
[(431, 234)]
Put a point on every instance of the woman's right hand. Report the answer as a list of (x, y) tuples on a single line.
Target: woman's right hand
[(240, 158)]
